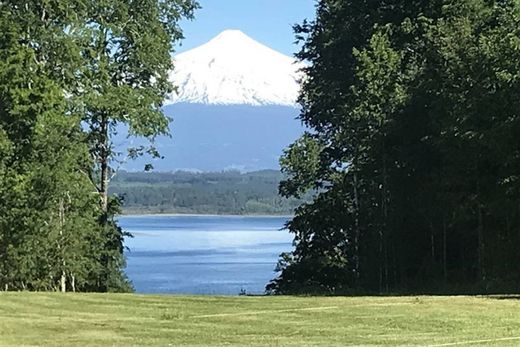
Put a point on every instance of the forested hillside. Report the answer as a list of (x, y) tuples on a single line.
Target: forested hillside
[(228, 192), (414, 111)]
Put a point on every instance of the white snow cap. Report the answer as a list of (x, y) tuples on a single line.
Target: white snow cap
[(234, 69)]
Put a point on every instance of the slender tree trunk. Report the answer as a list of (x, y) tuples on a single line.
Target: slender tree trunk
[(104, 157), (384, 235), (394, 264), (380, 260), (383, 254), (356, 226), (444, 251), (482, 272), (63, 279), (480, 237), (63, 282), (103, 140), (387, 284), (433, 267), (432, 243)]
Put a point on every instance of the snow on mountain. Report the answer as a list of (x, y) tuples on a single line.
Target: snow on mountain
[(234, 69)]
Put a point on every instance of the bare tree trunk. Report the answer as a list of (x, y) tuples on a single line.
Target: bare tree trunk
[(482, 272), (61, 213), (433, 267), (384, 234), (387, 284), (394, 264), (480, 237), (104, 156), (73, 283), (357, 231), (380, 260), (432, 242), (63, 282), (444, 251)]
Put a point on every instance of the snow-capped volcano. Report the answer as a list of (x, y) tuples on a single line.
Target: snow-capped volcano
[(234, 69)]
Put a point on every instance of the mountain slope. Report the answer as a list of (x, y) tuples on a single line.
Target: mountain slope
[(234, 69), (217, 137), (234, 109)]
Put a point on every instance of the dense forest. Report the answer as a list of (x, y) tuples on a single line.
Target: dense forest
[(70, 71), (414, 141), (227, 192)]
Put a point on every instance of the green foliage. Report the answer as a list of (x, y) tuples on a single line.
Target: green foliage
[(56, 71), (228, 192), (302, 161), (416, 107), (127, 48)]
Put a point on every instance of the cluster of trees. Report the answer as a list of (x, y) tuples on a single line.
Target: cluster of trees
[(414, 144), (70, 70), (227, 192)]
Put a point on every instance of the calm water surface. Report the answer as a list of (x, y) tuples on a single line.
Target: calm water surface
[(203, 254)]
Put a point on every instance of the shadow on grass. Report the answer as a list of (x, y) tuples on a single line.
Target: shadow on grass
[(504, 297), (476, 292)]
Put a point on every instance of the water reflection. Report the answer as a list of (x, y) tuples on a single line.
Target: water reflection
[(203, 254)]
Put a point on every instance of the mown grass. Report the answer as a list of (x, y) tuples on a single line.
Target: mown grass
[(52, 319)]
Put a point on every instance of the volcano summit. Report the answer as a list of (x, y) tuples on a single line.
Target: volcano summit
[(234, 69), (234, 108)]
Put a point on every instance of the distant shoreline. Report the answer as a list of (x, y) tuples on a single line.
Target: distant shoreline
[(130, 215)]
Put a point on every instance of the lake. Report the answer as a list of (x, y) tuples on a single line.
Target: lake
[(218, 255)]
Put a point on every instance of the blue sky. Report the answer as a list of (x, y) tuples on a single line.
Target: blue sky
[(267, 21)]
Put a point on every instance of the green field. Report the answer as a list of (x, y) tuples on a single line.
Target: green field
[(52, 319)]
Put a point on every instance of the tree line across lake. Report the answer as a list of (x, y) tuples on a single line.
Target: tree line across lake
[(227, 192)]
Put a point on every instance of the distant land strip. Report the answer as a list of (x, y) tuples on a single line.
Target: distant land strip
[(208, 193)]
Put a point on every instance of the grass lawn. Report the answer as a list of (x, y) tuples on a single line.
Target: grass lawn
[(53, 319)]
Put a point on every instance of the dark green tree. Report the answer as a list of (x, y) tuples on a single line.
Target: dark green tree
[(413, 105)]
